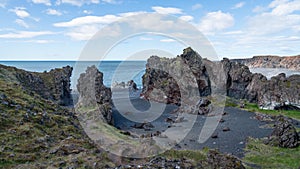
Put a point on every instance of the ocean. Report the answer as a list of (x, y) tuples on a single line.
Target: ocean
[(113, 71)]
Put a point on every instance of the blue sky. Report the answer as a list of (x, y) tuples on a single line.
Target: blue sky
[(59, 29)]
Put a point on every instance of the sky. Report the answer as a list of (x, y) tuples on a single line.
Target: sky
[(60, 29)]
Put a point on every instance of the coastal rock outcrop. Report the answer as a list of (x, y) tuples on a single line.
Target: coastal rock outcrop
[(167, 80), (93, 94), (288, 62), (35, 131), (284, 134), (280, 92), (53, 85)]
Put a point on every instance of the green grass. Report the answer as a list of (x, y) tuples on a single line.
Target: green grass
[(268, 156), (20, 131), (194, 155), (252, 107), (289, 113)]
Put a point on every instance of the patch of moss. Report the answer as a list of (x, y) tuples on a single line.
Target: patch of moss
[(194, 155), (30, 127), (267, 156)]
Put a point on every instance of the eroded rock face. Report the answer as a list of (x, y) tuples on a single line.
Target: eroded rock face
[(188, 75), (167, 80), (284, 134), (238, 78), (290, 62), (53, 85), (94, 95), (280, 91)]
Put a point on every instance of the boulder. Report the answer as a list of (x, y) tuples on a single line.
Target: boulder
[(218, 160), (284, 134)]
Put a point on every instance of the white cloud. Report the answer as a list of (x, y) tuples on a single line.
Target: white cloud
[(53, 12), (277, 2), (25, 34), (77, 2), (238, 5), (131, 13), (20, 12), (166, 10), (145, 38), (196, 6), (87, 12), (285, 8), (167, 40), (45, 2), (268, 23), (216, 21), (82, 28), (186, 18), (259, 9), (42, 41), (111, 1), (2, 5), (233, 32), (106, 19), (84, 32), (278, 18), (22, 23)]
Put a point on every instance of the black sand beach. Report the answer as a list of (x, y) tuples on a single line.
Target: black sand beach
[(241, 124)]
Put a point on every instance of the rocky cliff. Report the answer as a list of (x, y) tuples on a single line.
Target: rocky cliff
[(93, 94), (231, 76), (288, 62), (167, 80), (35, 131), (53, 85)]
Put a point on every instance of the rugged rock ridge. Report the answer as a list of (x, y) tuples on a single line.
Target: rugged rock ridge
[(53, 85), (93, 93), (233, 77), (38, 133), (165, 80), (288, 62)]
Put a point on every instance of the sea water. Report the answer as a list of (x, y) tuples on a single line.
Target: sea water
[(113, 71)]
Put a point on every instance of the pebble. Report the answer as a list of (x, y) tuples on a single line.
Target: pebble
[(215, 135), (226, 129), (222, 120)]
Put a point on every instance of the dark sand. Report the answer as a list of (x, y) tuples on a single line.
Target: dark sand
[(242, 125)]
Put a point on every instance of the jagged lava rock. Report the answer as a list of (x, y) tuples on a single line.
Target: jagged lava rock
[(284, 134), (93, 93), (191, 77), (53, 85), (280, 91), (165, 80)]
